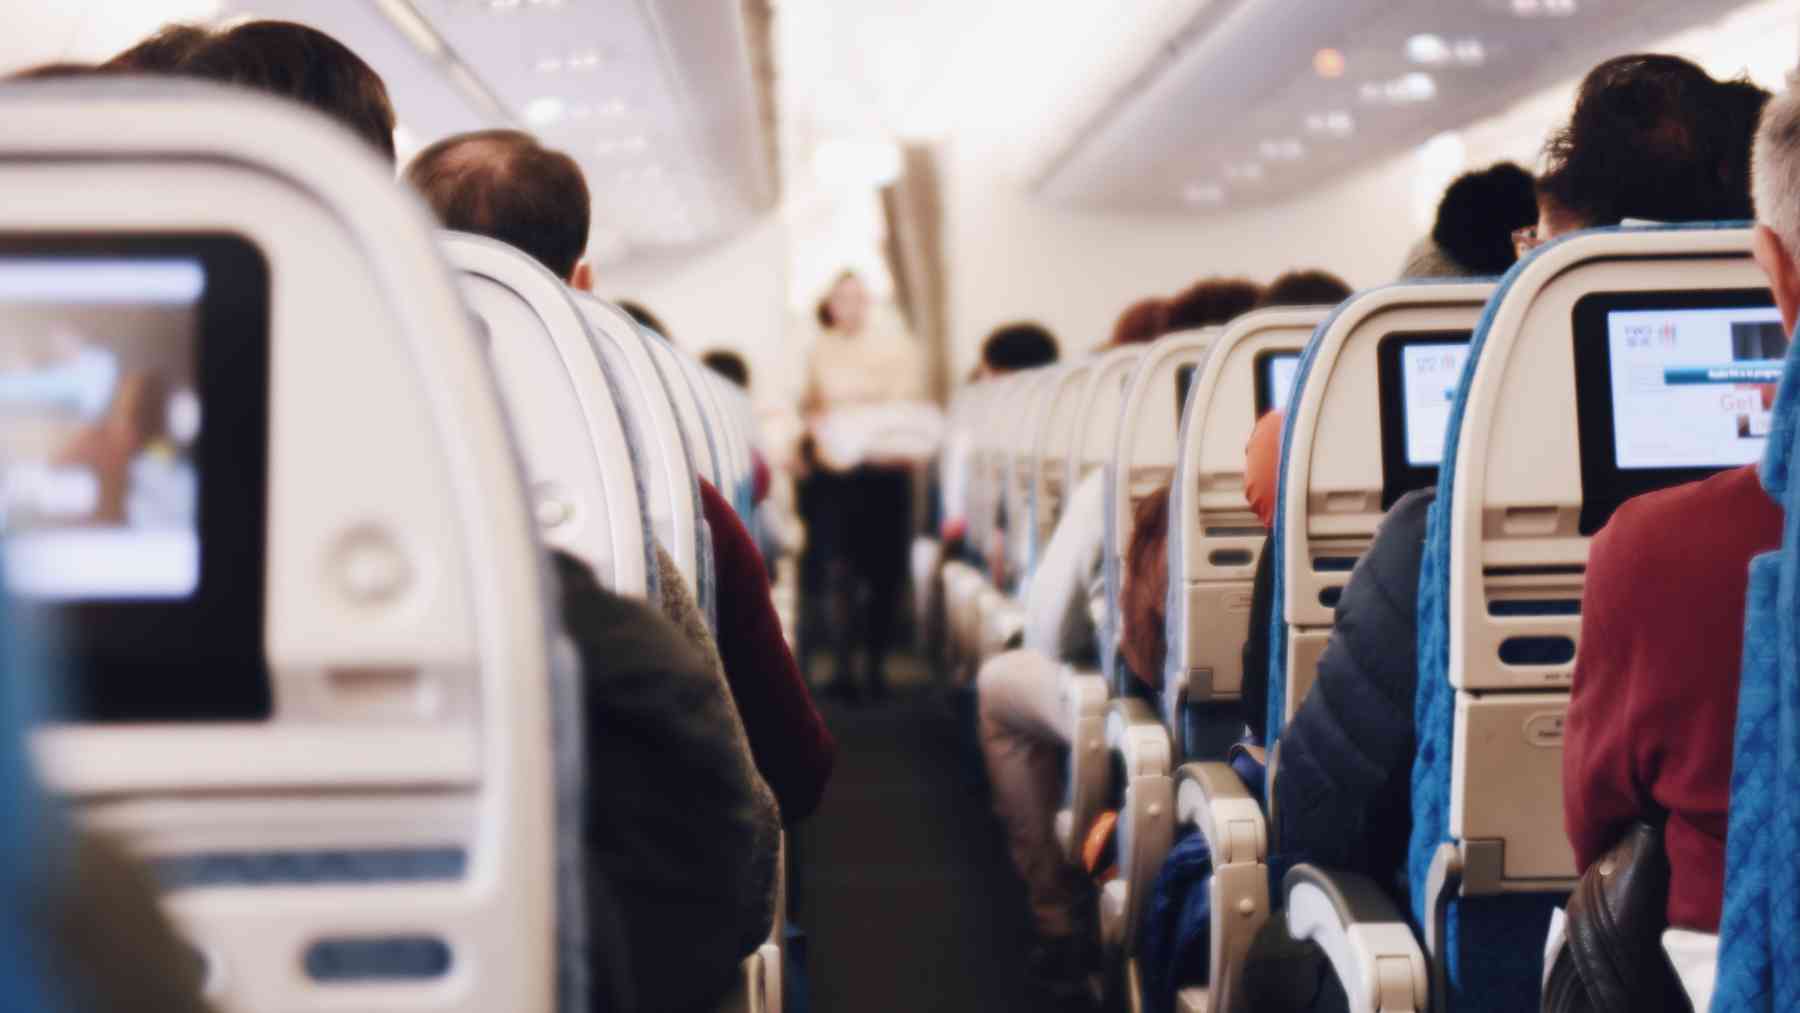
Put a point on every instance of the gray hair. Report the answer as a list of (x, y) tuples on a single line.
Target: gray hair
[(1775, 167)]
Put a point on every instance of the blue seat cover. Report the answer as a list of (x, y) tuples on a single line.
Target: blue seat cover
[(1508, 930), (1759, 957), (26, 836)]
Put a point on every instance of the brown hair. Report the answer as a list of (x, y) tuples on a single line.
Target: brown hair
[(304, 64), (1142, 321), (504, 185), (1304, 288), (1144, 598), (161, 53), (1210, 302)]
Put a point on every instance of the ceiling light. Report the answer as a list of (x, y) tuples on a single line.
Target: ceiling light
[(1430, 50), (1559, 8), (1284, 149), (541, 112), (1540, 8), (1328, 63), (1406, 89), (1203, 193), (503, 5), (1336, 123), (1470, 52), (1244, 172), (549, 64)]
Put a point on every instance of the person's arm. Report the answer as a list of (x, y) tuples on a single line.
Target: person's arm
[(1057, 623), (1343, 783), (788, 737), (678, 821), (1600, 796)]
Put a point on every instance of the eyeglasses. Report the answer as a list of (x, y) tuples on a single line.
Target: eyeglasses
[(1526, 239)]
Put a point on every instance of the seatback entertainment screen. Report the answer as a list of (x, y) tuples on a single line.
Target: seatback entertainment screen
[(101, 417), (134, 461), (1429, 371), (1693, 388), (1275, 373), (1671, 386)]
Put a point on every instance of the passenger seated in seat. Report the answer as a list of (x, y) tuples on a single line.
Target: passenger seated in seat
[(1022, 724), (1007, 350), (503, 184), (1476, 219), (304, 64), (1653, 705)]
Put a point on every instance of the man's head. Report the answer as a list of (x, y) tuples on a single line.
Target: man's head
[(1211, 302), (1649, 138), (1304, 288), (1016, 346), (729, 365), (1143, 321), (504, 185), (303, 64), (162, 53), (1775, 174), (1479, 213)]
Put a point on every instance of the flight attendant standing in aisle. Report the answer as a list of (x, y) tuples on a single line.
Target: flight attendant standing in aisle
[(857, 507)]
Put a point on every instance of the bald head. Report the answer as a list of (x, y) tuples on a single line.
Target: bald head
[(505, 185)]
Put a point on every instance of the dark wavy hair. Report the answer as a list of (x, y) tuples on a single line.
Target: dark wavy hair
[(1024, 344), (1304, 288), (1478, 213), (1211, 301), (1144, 320), (1651, 137)]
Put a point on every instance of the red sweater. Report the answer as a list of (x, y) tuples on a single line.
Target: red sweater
[(793, 749), (1655, 692)]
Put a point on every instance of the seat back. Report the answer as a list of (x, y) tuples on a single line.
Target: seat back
[(1214, 537), (1365, 428), (1092, 447), (339, 763), (671, 490), (703, 446), (1758, 968), (1021, 467), (1055, 435), (1143, 461), (581, 451), (987, 483), (1507, 545)]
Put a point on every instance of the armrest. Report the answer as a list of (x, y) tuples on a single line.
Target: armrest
[(1135, 731), (1213, 798), (1363, 934), (1083, 692)]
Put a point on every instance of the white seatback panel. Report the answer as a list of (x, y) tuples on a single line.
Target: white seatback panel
[(413, 717), (1220, 537)]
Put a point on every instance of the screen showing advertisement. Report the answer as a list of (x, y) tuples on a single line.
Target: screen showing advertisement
[(99, 425), (1429, 372), (1692, 388)]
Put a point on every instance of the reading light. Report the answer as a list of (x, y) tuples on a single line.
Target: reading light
[(1336, 123), (1328, 63), (1470, 52)]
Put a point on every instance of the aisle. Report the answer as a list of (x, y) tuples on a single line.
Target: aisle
[(909, 897)]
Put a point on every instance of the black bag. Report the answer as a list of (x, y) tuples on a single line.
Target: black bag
[(1613, 961)]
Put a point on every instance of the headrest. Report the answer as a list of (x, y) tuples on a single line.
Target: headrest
[(581, 446)]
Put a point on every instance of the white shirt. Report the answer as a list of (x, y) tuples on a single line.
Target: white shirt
[(1068, 588)]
